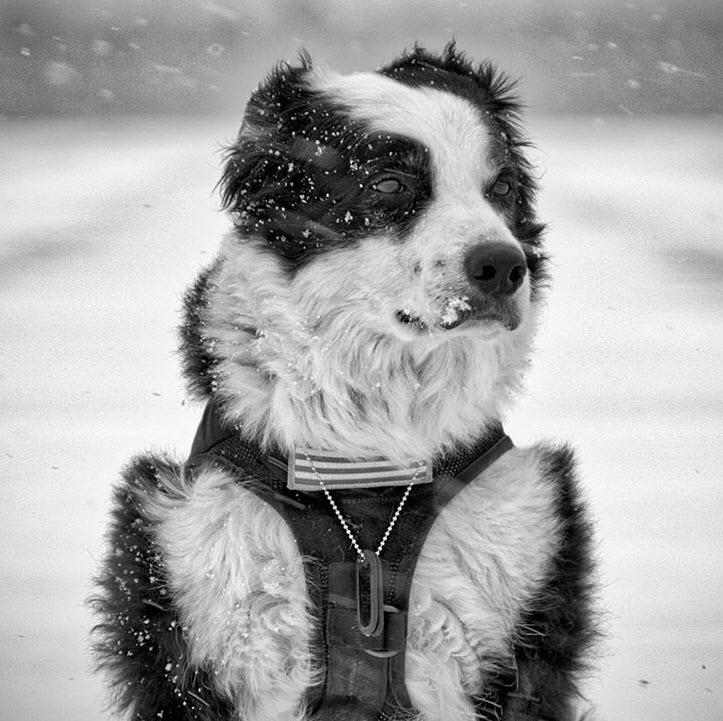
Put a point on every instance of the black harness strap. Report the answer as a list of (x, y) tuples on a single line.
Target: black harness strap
[(363, 675)]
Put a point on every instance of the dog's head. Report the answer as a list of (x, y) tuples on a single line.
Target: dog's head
[(385, 252)]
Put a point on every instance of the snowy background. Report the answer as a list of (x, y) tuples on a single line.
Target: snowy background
[(107, 169)]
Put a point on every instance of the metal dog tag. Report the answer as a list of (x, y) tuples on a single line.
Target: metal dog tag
[(370, 624)]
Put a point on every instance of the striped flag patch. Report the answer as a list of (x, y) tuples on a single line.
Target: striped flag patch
[(307, 466)]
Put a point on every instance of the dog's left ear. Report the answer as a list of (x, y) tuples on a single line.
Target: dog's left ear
[(497, 89), (256, 164)]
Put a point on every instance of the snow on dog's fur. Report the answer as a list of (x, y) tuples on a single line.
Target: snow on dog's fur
[(316, 354), (350, 310)]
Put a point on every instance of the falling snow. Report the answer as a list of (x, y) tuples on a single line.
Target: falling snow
[(604, 331), (105, 222)]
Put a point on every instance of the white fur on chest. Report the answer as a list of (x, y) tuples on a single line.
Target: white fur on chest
[(485, 556), (239, 585)]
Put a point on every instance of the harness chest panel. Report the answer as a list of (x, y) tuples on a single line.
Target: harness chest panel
[(363, 676)]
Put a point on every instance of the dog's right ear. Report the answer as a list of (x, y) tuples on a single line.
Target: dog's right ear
[(258, 160)]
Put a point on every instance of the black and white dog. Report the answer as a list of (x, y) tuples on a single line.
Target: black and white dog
[(354, 536)]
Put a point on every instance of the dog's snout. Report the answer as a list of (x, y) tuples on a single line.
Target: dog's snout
[(496, 267)]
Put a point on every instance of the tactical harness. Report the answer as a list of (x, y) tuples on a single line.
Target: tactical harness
[(363, 674)]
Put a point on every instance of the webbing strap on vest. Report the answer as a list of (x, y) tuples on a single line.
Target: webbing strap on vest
[(363, 676)]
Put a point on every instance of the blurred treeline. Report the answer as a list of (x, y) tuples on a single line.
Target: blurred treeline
[(149, 56)]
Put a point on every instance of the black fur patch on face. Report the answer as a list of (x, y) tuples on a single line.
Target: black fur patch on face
[(493, 93), (307, 178)]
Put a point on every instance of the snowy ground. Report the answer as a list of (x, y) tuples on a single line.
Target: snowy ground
[(105, 222)]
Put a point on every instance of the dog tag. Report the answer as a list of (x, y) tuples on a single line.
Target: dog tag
[(369, 575)]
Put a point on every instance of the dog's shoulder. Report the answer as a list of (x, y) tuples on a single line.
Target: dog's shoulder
[(508, 562), (573, 565), (511, 522), (539, 478), (545, 493), (194, 557), (139, 640), (560, 624)]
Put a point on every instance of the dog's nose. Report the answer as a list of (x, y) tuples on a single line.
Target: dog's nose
[(496, 267)]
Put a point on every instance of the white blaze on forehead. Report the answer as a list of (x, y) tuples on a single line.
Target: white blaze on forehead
[(448, 125)]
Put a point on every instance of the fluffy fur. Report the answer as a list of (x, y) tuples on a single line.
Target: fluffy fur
[(304, 352), (295, 366), (342, 314)]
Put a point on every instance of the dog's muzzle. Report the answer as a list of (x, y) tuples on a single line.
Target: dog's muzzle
[(494, 271)]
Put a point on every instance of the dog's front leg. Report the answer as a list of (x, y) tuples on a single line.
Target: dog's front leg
[(202, 601)]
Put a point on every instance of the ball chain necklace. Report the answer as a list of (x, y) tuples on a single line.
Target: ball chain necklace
[(373, 624)]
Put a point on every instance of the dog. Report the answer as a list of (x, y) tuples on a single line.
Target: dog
[(354, 536)]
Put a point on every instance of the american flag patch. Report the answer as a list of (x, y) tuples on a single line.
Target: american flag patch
[(307, 466)]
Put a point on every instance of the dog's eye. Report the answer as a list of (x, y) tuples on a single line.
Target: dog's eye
[(388, 186), (502, 187)]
